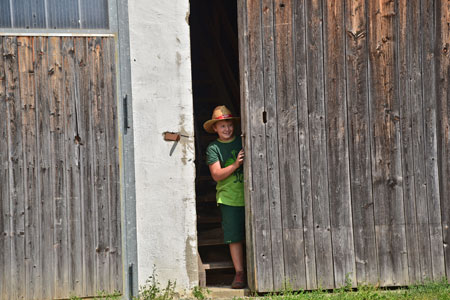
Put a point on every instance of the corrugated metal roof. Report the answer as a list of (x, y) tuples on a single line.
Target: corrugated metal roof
[(5, 14), (54, 14), (94, 13), (63, 14), (28, 13)]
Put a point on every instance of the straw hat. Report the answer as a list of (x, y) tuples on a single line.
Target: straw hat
[(220, 113)]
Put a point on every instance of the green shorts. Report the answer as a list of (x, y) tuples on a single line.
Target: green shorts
[(233, 223)]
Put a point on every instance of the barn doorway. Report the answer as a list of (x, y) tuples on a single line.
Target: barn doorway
[(215, 81)]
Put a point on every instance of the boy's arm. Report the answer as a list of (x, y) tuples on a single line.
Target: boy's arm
[(218, 173)]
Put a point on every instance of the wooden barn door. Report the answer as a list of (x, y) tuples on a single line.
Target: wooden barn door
[(59, 176), (345, 123)]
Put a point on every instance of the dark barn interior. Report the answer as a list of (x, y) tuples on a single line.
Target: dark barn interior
[(215, 80)]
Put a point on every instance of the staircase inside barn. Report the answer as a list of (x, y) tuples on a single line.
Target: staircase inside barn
[(215, 80)]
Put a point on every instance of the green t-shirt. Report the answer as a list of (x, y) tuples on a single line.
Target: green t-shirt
[(230, 191)]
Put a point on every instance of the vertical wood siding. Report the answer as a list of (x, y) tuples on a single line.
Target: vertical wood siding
[(346, 123), (59, 172)]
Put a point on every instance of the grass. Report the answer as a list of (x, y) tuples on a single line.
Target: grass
[(427, 291), (101, 295), (439, 290)]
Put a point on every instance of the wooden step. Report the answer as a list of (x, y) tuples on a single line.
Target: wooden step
[(210, 233), (208, 219), (211, 242), (210, 237), (218, 265)]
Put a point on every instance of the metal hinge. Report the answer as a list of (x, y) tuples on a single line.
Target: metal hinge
[(125, 114)]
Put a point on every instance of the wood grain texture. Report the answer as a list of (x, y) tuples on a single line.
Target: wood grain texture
[(270, 139), (442, 9), (288, 146), (5, 231), (113, 168), (429, 99), (372, 138), (259, 197), (386, 154), (100, 181), (31, 200), (16, 170), (243, 40), (318, 144), (409, 64), (72, 163), (372, 132), (49, 179), (299, 33), (337, 146), (44, 165), (86, 166), (359, 143), (58, 133)]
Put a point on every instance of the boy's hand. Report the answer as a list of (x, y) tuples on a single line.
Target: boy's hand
[(218, 173), (240, 159)]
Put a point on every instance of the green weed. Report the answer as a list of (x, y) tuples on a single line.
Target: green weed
[(102, 295), (437, 290), (428, 290), (200, 293), (152, 290)]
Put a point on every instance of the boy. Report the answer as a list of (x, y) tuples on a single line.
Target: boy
[(225, 158)]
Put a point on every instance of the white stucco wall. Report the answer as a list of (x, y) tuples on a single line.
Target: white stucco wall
[(162, 101)]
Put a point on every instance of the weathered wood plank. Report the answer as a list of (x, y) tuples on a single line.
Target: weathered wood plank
[(243, 40), (303, 139), (99, 148), (267, 115), (258, 156), (115, 257), (414, 190), (45, 188), (45, 95), (288, 146), (337, 150), (32, 204), (442, 9), (386, 152), (428, 35), (318, 144), (16, 170), (5, 232), (393, 180), (84, 62), (72, 163), (58, 168), (359, 143)]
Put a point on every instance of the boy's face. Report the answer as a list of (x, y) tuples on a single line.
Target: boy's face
[(224, 129)]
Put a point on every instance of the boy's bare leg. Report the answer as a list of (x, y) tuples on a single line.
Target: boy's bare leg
[(237, 255)]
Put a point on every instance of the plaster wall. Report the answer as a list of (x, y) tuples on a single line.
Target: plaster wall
[(165, 171)]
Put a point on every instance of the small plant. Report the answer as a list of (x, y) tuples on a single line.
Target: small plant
[(151, 290), (199, 293), (102, 295), (347, 287)]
